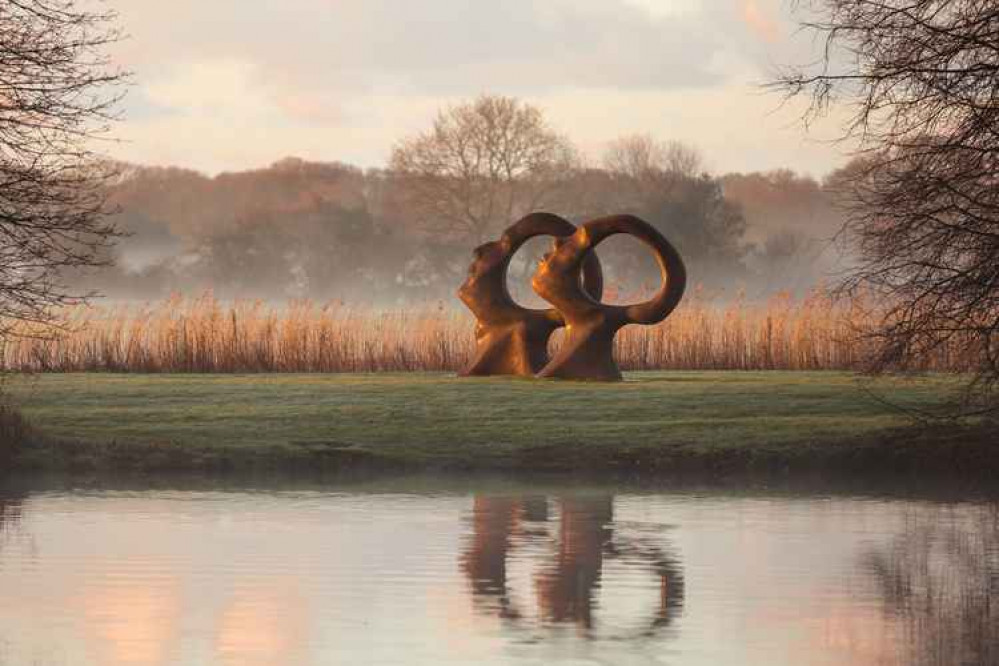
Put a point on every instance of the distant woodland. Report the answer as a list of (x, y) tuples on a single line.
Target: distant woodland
[(331, 231)]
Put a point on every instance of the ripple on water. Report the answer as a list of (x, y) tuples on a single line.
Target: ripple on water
[(172, 577)]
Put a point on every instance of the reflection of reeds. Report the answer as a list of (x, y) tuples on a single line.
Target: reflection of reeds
[(206, 335)]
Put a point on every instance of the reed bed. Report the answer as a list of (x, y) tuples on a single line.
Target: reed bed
[(207, 335)]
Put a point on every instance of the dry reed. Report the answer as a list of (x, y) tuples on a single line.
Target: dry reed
[(206, 335)]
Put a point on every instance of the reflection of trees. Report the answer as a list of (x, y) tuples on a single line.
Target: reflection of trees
[(940, 582), (10, 519), (10, 514), (567, 584)]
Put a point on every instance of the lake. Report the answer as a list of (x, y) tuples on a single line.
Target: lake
[(437, 571)]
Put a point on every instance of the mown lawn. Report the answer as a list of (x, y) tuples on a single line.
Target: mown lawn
[(653, 418)]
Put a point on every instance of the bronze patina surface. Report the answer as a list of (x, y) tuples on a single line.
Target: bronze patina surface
[(510, 338), (591, 326)]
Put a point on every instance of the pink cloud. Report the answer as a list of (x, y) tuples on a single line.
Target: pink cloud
[(759, 22)]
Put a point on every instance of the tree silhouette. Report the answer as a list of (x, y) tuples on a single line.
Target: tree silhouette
[(482, 165), (923, 203), (58, 92)]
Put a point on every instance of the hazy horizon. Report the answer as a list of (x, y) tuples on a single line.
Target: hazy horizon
[(236, 86)]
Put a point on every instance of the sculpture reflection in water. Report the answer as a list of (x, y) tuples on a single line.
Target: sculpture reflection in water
[(512, 340), (568, 578), (494, 521)]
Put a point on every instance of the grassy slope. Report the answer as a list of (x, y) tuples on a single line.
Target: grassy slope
[(654, 418)]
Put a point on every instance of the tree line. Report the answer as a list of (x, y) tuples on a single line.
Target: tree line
[(404, 233)]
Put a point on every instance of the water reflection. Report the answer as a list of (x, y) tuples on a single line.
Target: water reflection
[(494, 521), (317, 577), (263, 624), (565, 589), (11, 509), (939, 583), (568, 580), (132, 623)]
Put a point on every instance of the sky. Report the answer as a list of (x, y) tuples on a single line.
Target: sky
[(236, 84)]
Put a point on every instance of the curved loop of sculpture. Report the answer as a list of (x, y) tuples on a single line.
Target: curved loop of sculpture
[(591, 326), (511, 339)]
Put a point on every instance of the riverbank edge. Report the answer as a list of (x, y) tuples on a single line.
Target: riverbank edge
[(953, 451)]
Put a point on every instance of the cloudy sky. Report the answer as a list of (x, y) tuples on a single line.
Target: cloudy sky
[(234, 84)]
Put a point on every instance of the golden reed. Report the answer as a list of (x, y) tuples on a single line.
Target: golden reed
[(207, 335)]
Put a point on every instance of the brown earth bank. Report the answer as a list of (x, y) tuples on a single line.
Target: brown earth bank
[(943, 451)]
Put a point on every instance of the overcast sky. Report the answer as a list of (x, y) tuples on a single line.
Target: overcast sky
[(234, 84)]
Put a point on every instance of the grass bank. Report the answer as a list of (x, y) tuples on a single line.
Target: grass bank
[(653, 422)]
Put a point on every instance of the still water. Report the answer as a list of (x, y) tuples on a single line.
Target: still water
[(494, 575)]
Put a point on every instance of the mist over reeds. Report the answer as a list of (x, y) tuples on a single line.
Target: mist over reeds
[(206, 334)]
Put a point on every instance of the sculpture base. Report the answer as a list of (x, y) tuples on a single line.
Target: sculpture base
[(519, 349), (586, 354)]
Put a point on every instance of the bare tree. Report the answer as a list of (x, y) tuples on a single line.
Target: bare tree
[(58, 92), (923, 202), (482, 165), (666, 184), (642, 156)]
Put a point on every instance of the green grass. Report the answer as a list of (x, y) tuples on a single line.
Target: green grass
[(652, 420)]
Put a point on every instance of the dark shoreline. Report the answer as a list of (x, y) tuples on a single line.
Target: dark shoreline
[(939, 486), (947, 454)]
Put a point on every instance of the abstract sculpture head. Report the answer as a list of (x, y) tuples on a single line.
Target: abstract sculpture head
[(512, 339), (586, 352)]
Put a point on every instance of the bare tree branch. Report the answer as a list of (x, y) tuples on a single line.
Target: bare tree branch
[(923, 199), (482, 165), (59, 91)]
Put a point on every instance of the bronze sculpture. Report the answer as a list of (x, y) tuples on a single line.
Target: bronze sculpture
[(513, 340), (591, 326)]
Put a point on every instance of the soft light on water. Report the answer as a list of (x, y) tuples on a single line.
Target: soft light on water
[(110, 578)]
